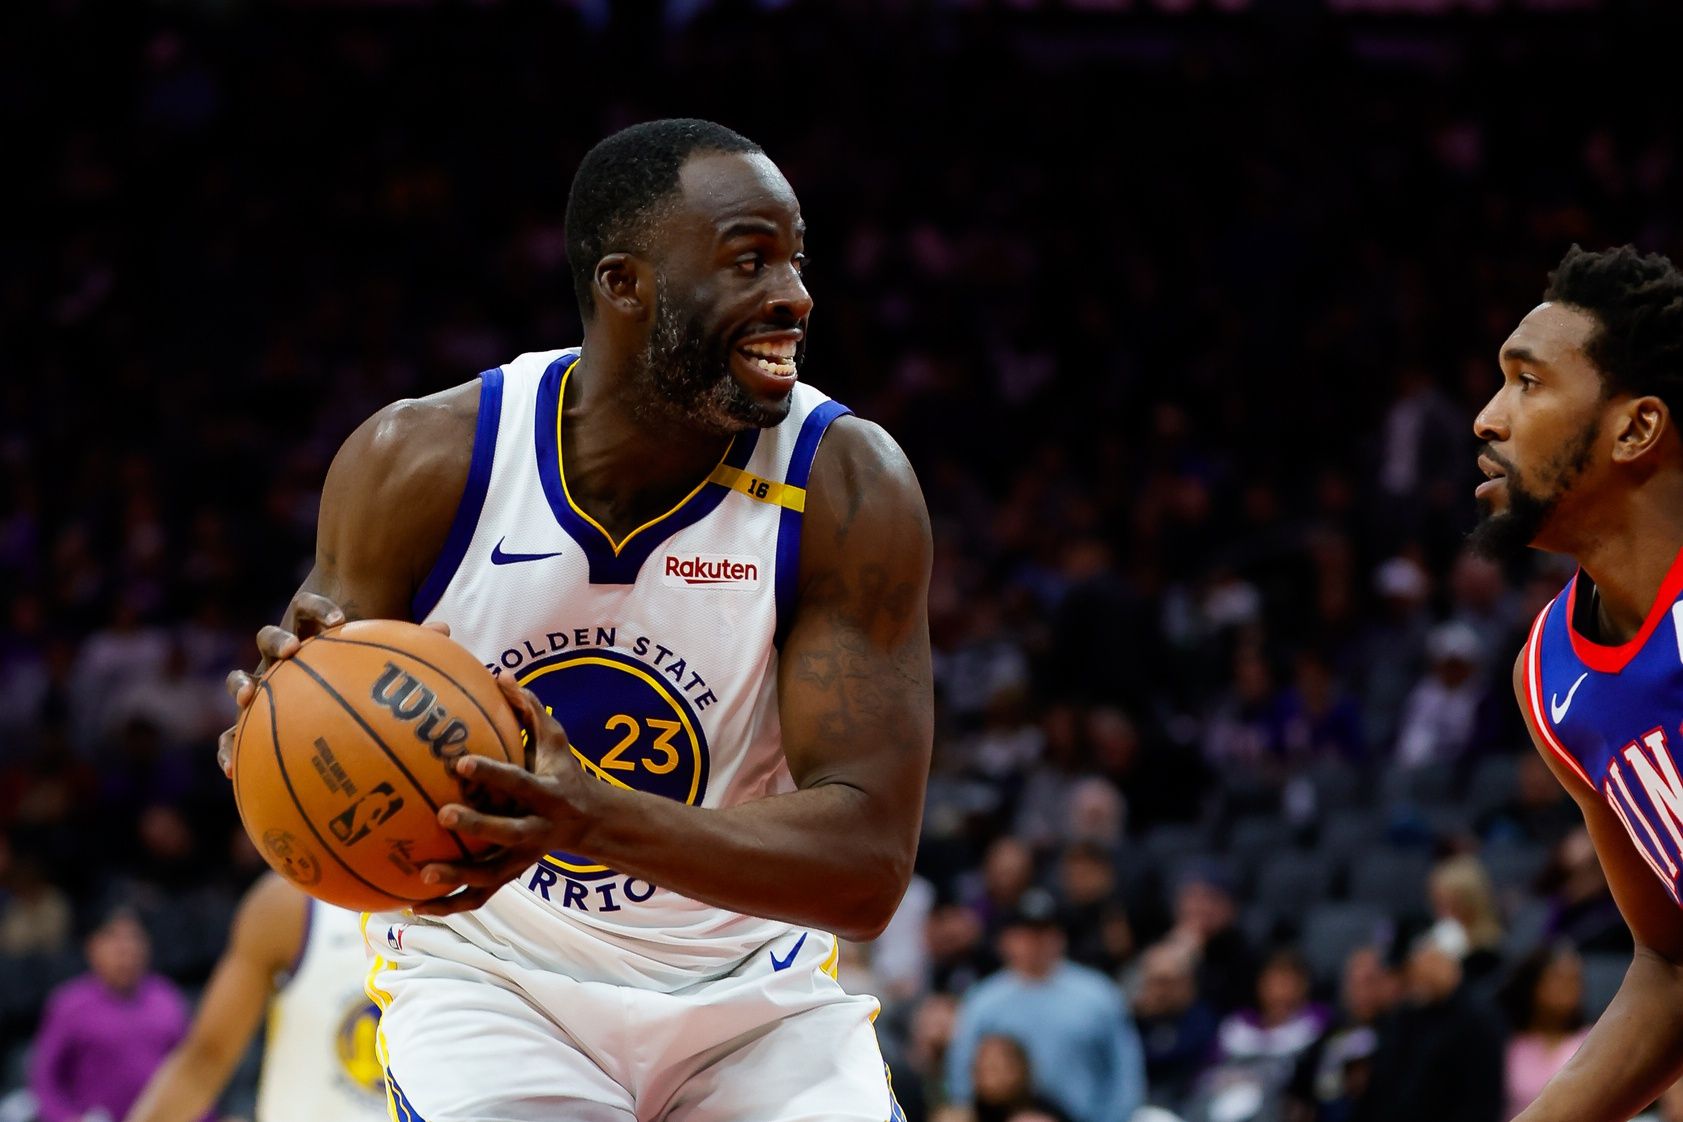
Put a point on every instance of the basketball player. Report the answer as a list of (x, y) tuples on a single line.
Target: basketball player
[(715, 579), (1584, 457), (304, 962)]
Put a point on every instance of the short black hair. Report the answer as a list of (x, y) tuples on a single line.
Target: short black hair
[(1637, 302), (621, 182)]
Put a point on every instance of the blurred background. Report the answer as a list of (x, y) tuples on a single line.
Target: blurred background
[(1182, 310)]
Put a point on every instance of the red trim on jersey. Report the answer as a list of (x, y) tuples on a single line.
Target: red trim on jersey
[(1611, 660), (1534, 696)]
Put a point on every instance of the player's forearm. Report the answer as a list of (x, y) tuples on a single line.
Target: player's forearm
[(1634, 1052), (184, 1087), (821, 857)]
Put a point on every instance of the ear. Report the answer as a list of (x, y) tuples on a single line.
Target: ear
[(1639, 426), (625, 286)]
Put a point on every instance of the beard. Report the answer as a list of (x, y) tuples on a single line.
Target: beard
[(684, 376), (1505, 535)]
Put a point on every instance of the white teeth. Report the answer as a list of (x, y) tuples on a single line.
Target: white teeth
[(783, 350), (776, 369)]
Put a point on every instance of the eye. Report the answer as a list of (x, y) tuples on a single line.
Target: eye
[(750, 264), (1526, 382), (801, 261)]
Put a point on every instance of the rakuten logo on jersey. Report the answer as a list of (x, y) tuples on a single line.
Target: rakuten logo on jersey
[(701, 571)]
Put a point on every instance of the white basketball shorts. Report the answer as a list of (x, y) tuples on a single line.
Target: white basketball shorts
[(466, 1036)]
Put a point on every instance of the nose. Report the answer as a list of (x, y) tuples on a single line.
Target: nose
[(1491, 424), (788, 300)]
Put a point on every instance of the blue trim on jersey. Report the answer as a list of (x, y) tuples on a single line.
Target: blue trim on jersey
[(606, 566), (402, 1109), (789, 524), (473, 496)]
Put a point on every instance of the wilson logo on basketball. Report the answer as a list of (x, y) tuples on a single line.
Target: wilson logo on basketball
[(712, 572), (409, 700)]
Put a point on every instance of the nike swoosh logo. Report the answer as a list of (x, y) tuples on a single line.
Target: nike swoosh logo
[(785, 963), (1557, 707), (498, 557)]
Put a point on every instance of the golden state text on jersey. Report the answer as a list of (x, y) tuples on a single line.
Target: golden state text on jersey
[(656, 651)]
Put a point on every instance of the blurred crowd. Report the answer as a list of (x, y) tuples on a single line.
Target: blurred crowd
[(1183, 323)]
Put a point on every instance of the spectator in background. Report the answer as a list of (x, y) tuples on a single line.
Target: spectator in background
[(1539, 812), (1545, 1005), (1258, 1048), (1002, 1082), (1284, 1022), (1460, 890), (1206, 923), (105, 1033), (1581, 906), (1072, 1021), (1333, 1074), (1007, 872), (1094, 916), (1392, 649), (1322, 722), (1441, 711), (34, 912), (1177, 1030), (1440, 1055)]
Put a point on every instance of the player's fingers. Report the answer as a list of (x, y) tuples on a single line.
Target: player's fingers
[(492, 827), (508, 779), (276, 642), (437, 625), (313, 614), (464, 901), (479, 874), (242, 687), (225, 751)]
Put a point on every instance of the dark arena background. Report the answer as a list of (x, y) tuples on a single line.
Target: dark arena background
[(1182, 311)]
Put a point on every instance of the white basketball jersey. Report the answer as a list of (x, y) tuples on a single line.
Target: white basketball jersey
[(319, 1057), (657, 653)]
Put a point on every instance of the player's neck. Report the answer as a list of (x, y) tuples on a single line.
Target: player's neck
[(1628, 561), (624, 461)]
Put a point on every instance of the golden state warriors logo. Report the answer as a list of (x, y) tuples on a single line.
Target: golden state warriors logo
[(355, 1045), (630, 725)]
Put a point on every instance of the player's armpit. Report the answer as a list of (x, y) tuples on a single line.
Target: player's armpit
[(268, 931)]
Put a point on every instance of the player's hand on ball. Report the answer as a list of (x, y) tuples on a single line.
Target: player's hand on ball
[(311, 615), (545, 808)]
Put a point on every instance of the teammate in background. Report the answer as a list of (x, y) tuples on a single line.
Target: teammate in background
[(1584, 457), (304, 962), (716, 580)]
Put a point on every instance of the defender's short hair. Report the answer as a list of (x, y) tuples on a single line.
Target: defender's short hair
[(1637, 302)]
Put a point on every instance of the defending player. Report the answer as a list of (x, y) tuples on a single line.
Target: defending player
[(716, 580), (1584, 458), (302, 961)]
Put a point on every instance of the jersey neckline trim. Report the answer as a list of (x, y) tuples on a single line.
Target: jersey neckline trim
[(1613, 659), (611, 562)]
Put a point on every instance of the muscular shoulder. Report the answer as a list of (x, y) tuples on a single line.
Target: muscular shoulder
[(864, 504), (390, 497), (417, 444)]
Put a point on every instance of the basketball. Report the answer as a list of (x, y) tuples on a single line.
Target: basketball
[(348, 750)]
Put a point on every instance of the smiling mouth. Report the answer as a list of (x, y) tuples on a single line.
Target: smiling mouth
[(774, 358)]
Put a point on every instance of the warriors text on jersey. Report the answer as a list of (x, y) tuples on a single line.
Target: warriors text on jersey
[(1612, 714), (657, 653), (319, 1056)]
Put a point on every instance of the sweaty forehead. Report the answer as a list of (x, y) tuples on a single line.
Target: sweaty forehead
[(718, 189), (1553, 333)]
